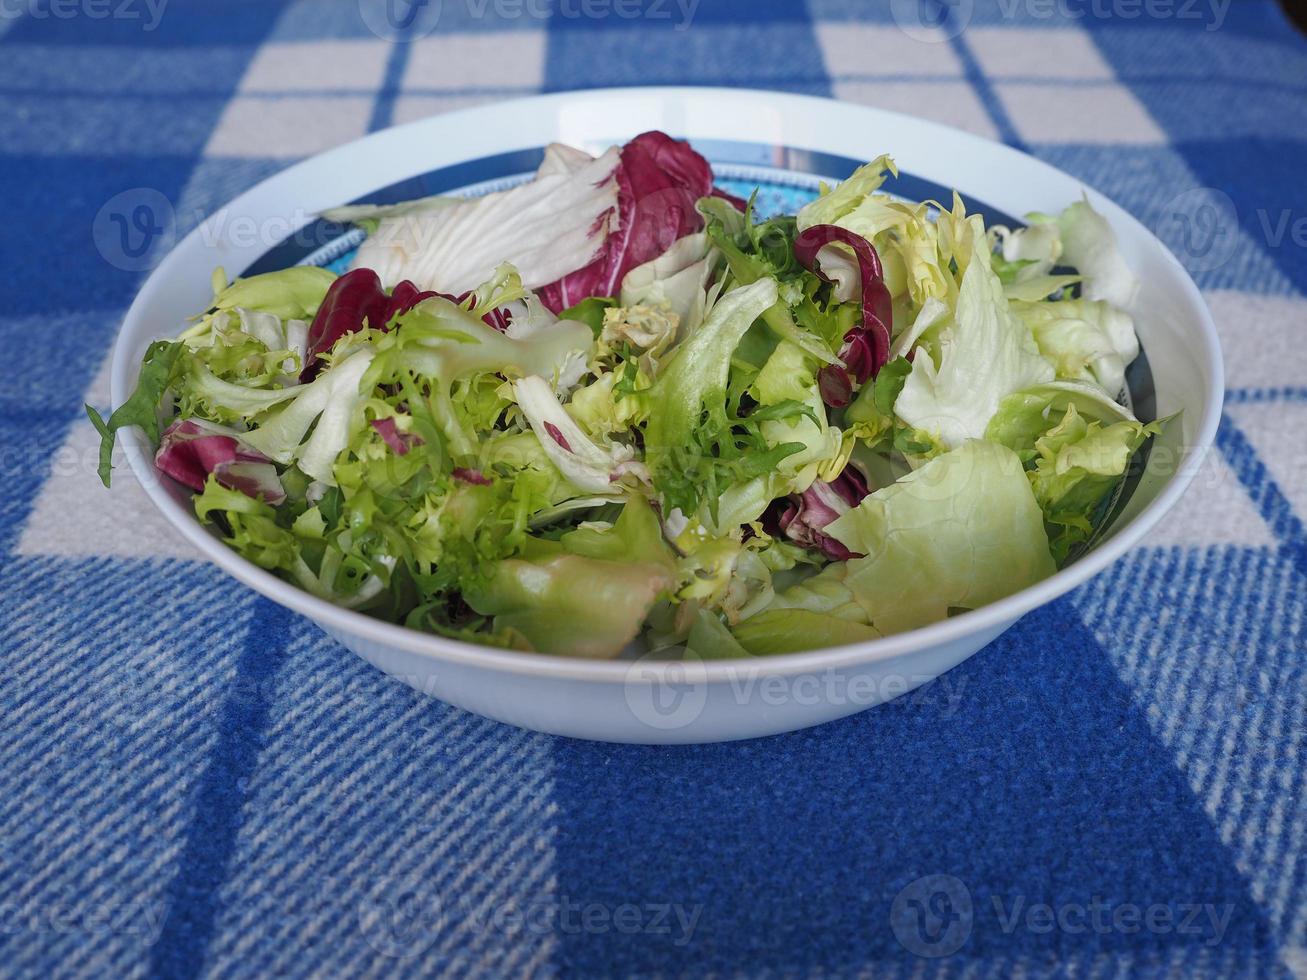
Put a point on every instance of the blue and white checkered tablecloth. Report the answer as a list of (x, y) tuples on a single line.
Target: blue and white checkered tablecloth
[(194, 781)]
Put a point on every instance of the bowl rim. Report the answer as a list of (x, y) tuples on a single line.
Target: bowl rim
[(338, 619)]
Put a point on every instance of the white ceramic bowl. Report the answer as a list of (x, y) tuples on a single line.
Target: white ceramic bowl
[(648, 701)]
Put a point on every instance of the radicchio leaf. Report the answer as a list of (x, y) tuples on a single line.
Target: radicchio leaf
[(866, 347), (353, 298), (475, 477), (802, 517), (659, 181), (556, 434), (399, 442), (191, 450)]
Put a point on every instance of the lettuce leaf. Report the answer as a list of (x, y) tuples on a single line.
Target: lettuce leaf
[(984, 355), (1078, 445), (288, 294), (587, 595), (1086, 340), (678, 280), (586, 464), (1079, 461), (1079, 237), (1024, 416), (776, 631), (962, 531), (709, 639), (692, 386)]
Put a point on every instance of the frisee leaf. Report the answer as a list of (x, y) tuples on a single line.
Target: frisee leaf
[(142, 407)]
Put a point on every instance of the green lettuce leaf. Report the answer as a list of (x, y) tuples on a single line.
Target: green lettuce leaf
[(984, 355), (709, 639), (827, 592), (776, 631), (1079, 463), (289, 294), (677, 280), (1089, 246), (575, 597), (840, 205), (692, 387), (1024, 416), (797, 443), (962, 531), (1086, 340), (590, 311)]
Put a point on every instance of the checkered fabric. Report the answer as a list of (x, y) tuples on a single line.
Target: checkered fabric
[(194, 781)]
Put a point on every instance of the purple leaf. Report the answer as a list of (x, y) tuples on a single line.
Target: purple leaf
[(866, 346), (803, 517), (353, 299), (191, 450), (472, 476), (556, 434), (659, 180), (399, 442)]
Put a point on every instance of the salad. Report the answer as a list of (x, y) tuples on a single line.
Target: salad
[(611, 408)]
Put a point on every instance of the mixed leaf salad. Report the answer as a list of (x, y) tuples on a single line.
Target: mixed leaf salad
[(610, 406)]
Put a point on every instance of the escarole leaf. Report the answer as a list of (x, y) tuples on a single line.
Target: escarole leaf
[(828, 593), (332, 401), (844, 199), (1025, 415), (709, 639), (1086, 340), (1079, 462), (678, 280), (962, 531), (1089, 245)]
